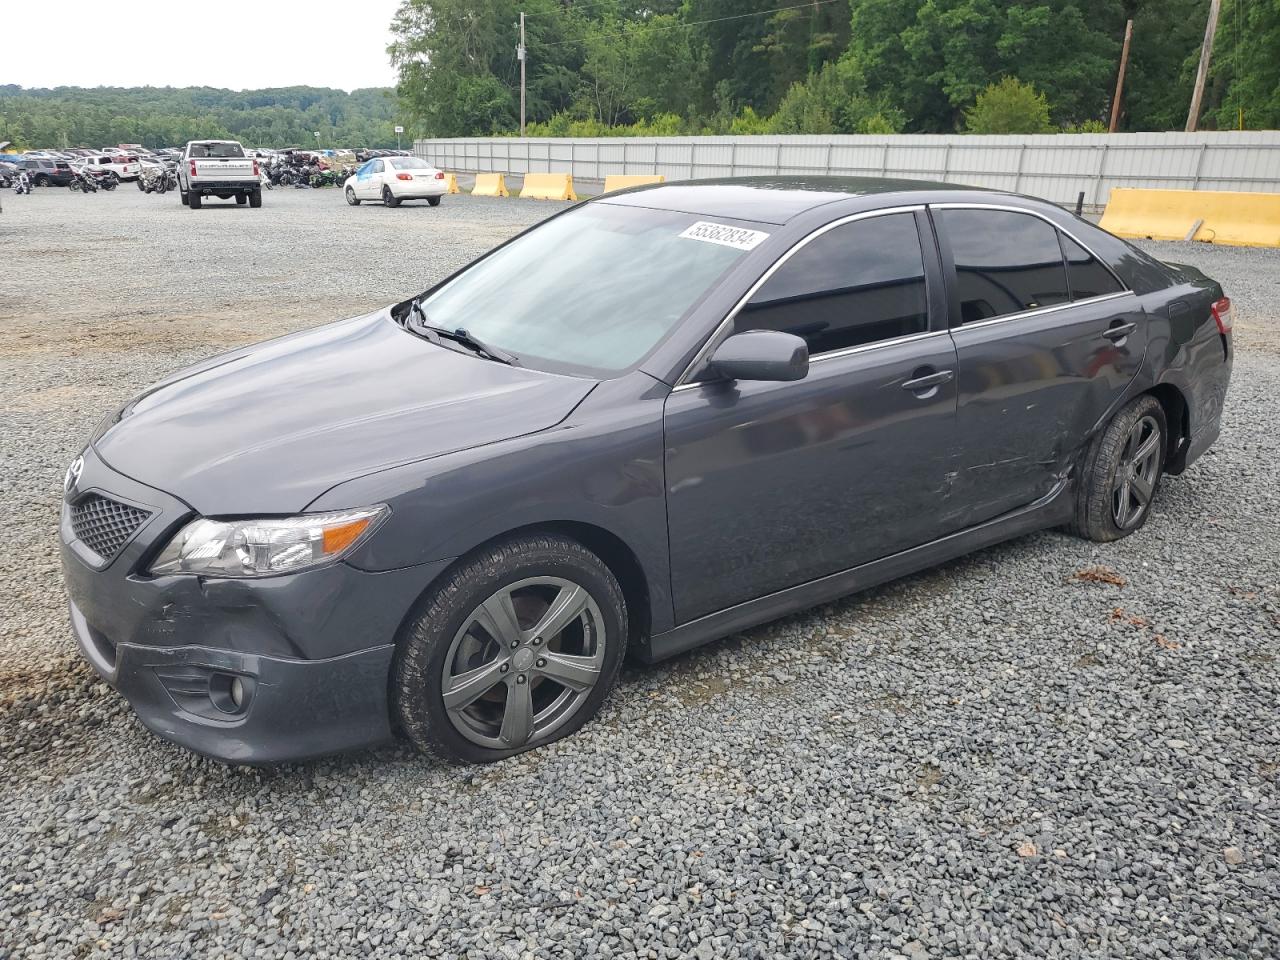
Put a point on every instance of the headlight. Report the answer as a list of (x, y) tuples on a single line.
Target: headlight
[(263, 548)]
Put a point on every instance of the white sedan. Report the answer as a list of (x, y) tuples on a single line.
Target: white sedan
[(393, 179)]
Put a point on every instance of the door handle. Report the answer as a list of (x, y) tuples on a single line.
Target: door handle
[(1119, 331), (929, 381)]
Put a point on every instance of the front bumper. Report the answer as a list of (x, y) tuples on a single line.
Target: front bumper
[(312, 650), (291, 709)]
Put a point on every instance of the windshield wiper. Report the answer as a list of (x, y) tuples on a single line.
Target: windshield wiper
[(460, 336)]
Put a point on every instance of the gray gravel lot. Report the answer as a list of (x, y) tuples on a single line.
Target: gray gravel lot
[(1000, 757)]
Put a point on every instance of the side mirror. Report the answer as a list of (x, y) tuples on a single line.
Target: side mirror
[(762, 355)]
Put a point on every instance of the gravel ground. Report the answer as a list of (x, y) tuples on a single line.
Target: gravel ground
[(1048, 748)]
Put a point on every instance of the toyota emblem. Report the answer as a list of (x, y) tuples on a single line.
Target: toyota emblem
[(73, 474)]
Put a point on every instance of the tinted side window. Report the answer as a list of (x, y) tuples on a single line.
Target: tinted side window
[(1088, 277), (1005, 262), (855, 284)]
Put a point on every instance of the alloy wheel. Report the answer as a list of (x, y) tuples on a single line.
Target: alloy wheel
[(1136, 474), (523, 662)]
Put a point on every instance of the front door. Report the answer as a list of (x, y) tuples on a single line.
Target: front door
[(1048, 340), (770, 485)]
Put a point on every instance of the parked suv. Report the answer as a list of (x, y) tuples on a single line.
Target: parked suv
[(48, 173)]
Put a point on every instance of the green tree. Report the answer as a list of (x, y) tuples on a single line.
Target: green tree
[(1246, 67), (1009, 106)]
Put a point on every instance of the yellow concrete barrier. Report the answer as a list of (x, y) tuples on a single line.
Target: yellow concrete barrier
[(451, 183), (620, 181), (490, 185), (1234, 218), (548, 186)]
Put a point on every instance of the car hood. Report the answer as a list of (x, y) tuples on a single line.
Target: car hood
[(268, 428)]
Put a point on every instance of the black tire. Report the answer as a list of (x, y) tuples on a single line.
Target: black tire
[(424, 651), (193, 200), (352, 199), (109, 183), (41, 180), (255, 199), (1114, 493), (434, 201), (388, 198), (183, 197), (74, 186), (241, 199)]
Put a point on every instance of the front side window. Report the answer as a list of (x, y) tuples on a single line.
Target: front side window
[(858, 283), (593, 290), (1088, 277), (377, 167), (1005, 262)]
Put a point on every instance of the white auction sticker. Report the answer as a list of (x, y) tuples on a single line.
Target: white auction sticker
[(737, 237)]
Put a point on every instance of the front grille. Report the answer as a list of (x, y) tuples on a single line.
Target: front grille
[(105, 525)]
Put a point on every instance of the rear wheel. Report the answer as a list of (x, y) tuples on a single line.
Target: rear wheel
[(434, 201), (255, 199), (41, 180), (1122, 472), (352, 199), (389, 198), (241, 199), (193, 200), (517, 647)]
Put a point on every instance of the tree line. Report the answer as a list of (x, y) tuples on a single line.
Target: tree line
[(169, 116), (663, 67)]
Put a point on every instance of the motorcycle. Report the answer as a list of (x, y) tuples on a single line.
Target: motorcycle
[(82, 182), (22, 183), (155, 180)]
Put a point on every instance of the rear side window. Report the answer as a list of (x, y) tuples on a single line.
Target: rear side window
[(1005, 262), (858, 283), (1087, 277)]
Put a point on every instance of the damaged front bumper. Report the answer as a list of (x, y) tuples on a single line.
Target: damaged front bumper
[(245, 671)]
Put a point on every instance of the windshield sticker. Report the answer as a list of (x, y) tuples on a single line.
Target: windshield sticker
[(736, 237)]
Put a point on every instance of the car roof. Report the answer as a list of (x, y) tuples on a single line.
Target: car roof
[(769, 199)]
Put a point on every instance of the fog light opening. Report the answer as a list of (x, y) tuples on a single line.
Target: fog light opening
[(230, 693)]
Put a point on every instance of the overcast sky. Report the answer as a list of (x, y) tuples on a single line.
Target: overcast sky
[(277, 43)]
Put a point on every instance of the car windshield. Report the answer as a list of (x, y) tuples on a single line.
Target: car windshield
[(200, 151), (591, 291), (409, 163)]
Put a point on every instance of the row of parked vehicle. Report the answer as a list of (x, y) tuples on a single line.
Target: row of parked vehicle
[(225, 169)]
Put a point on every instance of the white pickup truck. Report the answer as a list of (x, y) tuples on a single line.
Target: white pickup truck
[(217, 168)]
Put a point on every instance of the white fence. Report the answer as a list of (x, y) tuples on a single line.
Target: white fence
[(1055, 167)]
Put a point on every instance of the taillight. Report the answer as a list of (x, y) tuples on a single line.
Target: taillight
[(1222, 315), (404, 176), (439, 174), (193, 168), (255, 168)]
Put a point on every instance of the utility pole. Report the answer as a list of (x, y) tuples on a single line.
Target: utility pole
[(1124, 62), (520, 54), (1202, 74)]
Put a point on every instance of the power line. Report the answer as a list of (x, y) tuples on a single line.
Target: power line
[(700, 23)]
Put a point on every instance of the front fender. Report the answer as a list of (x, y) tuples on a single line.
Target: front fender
[(603, 467)]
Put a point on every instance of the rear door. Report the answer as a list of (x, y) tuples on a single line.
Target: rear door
[(770, 485), (1047, 339)]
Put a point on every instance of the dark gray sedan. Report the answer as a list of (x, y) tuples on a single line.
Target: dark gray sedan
[(659, 417)]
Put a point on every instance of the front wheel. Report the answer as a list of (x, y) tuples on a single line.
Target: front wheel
[(352, 199), (517, 647), (241, 199), (1121, 473)]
